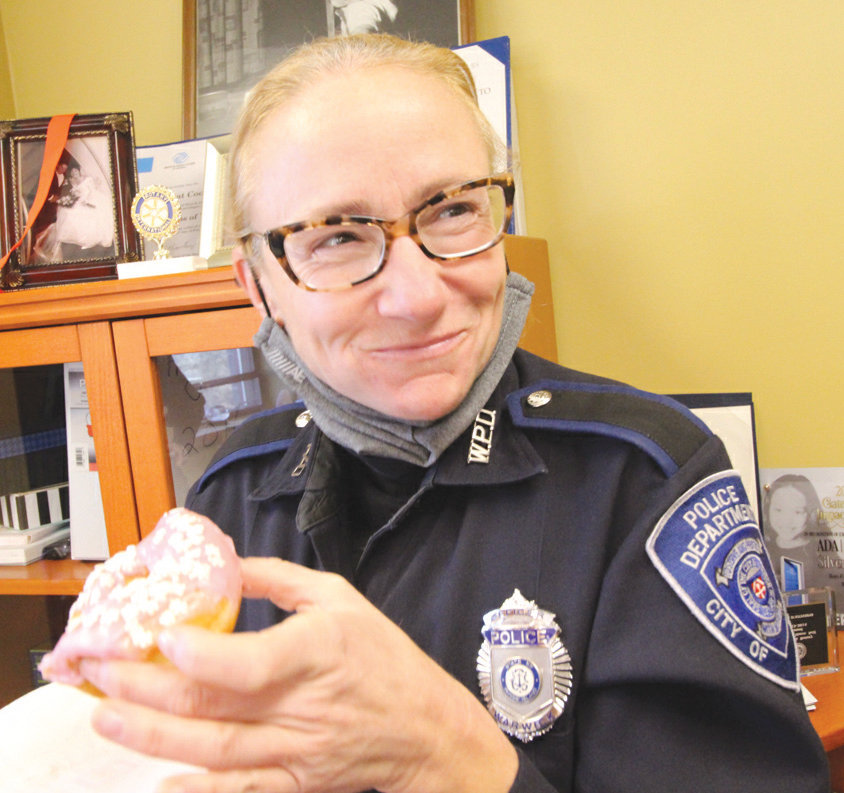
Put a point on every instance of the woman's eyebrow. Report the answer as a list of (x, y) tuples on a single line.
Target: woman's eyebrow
[(356, 206)]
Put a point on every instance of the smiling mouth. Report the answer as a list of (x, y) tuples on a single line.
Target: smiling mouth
[(426, 348)]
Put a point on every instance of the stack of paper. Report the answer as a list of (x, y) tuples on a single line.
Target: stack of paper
[(49, 746), (23, 546), (809, 698)]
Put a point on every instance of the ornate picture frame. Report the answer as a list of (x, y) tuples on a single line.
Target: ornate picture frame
[(228, 47), (84, 227)]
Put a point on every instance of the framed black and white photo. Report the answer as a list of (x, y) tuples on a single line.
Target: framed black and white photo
[(230, 44), (83, 228)]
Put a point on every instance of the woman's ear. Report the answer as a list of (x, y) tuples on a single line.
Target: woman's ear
[(247, 280)]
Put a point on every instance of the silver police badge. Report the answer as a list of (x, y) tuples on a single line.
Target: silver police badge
[(523, 668)]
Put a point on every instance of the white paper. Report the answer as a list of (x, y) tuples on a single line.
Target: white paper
[(179, 167), (489, 63), (195, 171), (490, 76), (49, 746), (809, 699), (733, 424)]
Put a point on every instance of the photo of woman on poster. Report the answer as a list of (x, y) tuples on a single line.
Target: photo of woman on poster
[(803, 549)]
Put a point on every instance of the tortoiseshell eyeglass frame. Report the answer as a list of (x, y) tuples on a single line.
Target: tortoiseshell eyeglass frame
[(392, 229)]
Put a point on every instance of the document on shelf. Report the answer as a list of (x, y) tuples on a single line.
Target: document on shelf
[(195, 171), (49, 745)]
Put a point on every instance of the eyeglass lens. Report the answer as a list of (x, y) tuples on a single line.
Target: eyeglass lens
[(332, 256)]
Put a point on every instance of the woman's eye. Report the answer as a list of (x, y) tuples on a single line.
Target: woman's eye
[(456, 209), (339, 238)]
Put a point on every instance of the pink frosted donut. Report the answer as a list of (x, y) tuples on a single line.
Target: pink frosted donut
[(185, 572)]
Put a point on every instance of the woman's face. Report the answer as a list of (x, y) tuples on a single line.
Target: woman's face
[(411, 341), (787, 514)]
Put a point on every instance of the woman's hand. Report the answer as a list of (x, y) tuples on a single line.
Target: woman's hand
[(336, 698)]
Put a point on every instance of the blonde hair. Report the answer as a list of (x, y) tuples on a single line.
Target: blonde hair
[(323, 57)]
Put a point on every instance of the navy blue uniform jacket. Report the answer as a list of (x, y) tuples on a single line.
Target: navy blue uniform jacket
[(562, 511)]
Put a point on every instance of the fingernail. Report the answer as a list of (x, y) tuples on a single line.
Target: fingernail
[(108, 722), (165, 642)]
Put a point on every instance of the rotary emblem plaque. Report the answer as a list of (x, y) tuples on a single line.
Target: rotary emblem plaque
[(156, 214), (524, 671)]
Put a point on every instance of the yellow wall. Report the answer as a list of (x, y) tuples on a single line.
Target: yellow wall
[(98, 56), (684, 160), (7, 106)]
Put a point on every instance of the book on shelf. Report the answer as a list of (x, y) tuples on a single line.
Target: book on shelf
[(33, 508), (33, 551), (15, 538), (89, 539)]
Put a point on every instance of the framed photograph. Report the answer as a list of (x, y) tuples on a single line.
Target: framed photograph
[(229, 45), (731, 417), (84, 227)]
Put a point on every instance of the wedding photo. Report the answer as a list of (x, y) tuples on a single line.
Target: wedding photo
[(76, 222)]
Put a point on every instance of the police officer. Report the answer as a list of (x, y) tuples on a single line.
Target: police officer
[(499, 574)]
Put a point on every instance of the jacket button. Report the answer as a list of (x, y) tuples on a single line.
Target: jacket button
[(303, 419), (539, 398)]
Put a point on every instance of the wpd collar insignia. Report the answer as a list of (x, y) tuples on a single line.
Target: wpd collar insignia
[(709, 549), (523, 668)]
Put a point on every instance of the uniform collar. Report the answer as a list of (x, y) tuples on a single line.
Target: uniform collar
[(511, 457), (360, 428)]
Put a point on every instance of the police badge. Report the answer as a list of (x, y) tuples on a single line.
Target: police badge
[(524, 670)]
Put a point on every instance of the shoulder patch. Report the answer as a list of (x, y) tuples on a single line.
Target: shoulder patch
[(268, 432), (660, 426), (709, 549)]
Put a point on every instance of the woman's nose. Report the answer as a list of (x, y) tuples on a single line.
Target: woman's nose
[(410, 285)]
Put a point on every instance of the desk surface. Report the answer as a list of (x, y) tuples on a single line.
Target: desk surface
[(828, 716)]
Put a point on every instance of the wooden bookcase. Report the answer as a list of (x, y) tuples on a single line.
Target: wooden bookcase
[(81, 322), (117, 328)]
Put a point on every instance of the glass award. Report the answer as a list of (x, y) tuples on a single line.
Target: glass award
[(812, 615)]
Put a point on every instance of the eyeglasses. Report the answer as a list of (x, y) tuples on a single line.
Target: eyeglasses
[(341, 251)]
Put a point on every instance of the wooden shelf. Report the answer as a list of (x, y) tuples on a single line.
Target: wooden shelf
[(70, 322), (828, 716), (118, 299), (44, 577)]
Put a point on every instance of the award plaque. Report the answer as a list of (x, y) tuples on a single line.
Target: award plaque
[(156, 214), (812, 616)]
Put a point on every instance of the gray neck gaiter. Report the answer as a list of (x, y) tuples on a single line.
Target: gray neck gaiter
[(367, 431)]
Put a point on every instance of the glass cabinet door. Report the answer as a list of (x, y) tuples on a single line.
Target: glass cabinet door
[(205, 396), (56, 396), (187, 381), (33, 449)]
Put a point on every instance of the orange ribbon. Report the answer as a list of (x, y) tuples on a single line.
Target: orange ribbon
[(57, 132)]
